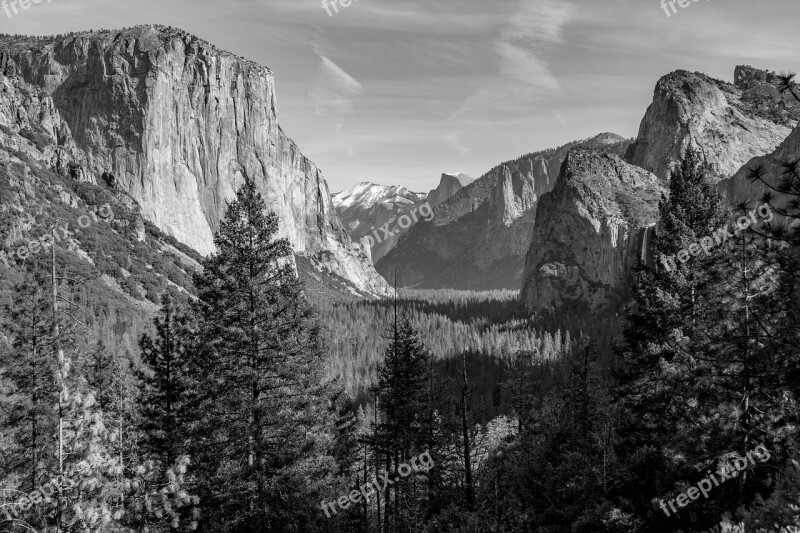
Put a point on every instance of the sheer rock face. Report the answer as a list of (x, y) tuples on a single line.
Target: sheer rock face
[(741, 189), (479, 236), (449, 184), (589, 233), (728, 124), (181, 125), (582, 250)]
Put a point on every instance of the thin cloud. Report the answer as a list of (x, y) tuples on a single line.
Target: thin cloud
[(539, 21), (523, 65), (454, 140), (527, 35), (335, 89)]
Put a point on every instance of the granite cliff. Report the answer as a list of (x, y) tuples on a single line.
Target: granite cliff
[(588, 234), (178, 125), (585, 241), (449, 184), (772, 168), (728, 123), (479, 236)]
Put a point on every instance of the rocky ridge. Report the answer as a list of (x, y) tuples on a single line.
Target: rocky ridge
[(574, 266), (773, 170), (479, 236), (728, 124), (588, 234)]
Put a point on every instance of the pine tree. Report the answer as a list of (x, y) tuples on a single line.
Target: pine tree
[(741, 395), (82, 483), (29, 367), (400, 394), (465, 423), (165, 383), (655, 364), (262, 442)]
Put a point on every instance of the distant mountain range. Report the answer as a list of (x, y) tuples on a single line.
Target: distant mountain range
[(567, 225), (96, 111), (367, 207), (480, 235)]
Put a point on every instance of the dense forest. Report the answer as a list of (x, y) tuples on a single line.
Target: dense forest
[(450, 323), (249, 408)]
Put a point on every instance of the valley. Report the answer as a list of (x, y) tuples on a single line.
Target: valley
[(219, 343)]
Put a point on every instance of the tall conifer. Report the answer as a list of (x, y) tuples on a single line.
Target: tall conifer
[(266, 426)]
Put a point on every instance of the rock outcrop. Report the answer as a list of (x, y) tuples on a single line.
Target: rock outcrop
[(772, 169), (366, 207), (589, 233), (180, 125), (728, 124), (479, 237), (449, 184), (586, 241)]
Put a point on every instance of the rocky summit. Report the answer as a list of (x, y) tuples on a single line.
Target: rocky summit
[(449, 184), (727, 123), (177, 124)]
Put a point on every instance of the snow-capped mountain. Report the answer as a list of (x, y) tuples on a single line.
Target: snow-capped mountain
[(367, 207)]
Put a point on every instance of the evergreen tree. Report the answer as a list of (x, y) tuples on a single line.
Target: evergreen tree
[(655, 365), (164, 398), (400, 394), (29, 366), (264, 437), (561, 471)]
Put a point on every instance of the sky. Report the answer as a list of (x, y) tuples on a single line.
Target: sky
[(396, 92)]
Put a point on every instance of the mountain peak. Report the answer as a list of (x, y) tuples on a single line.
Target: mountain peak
[(746, 77), (605, 138), (729, 124), (367, 206), (449, 184), (367, 194)]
